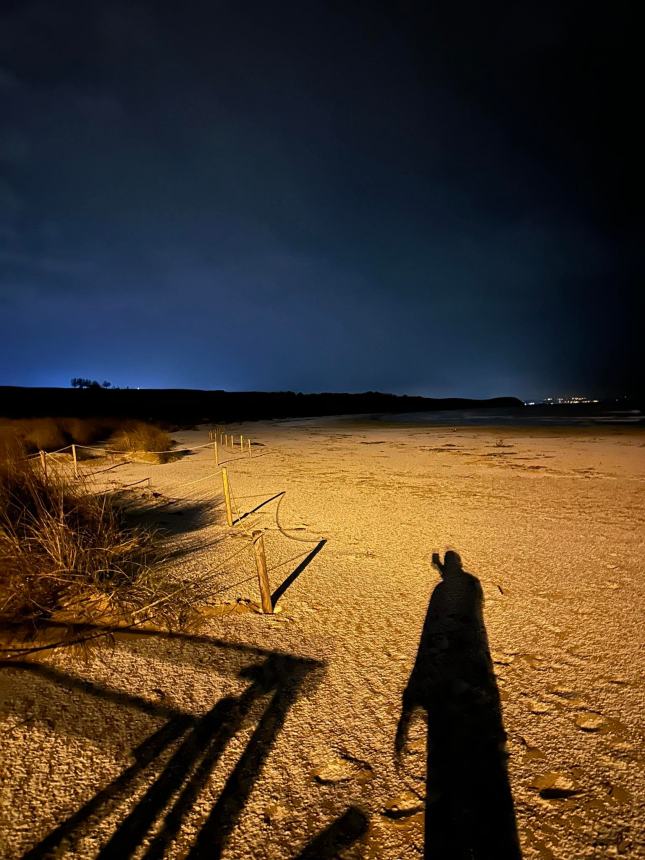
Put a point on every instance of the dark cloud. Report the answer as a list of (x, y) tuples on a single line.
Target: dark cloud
[(433, 198)]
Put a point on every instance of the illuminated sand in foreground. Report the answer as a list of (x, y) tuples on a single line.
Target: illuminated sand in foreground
[(550, 522)]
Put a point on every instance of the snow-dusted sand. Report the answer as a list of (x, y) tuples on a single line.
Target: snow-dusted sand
[(253, 736)]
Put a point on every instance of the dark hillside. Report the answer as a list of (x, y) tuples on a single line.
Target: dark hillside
[(190, 406)]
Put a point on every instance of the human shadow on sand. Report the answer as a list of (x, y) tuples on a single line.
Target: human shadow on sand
[(469, 805)]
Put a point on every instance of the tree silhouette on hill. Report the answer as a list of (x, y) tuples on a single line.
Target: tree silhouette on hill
[(81, 382)]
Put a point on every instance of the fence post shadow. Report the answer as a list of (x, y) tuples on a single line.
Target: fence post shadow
[(259, 506), (289, 580), (340, 834), (178, 758), (469, 806)]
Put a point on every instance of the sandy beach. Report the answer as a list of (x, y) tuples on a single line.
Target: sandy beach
[(273, 736)]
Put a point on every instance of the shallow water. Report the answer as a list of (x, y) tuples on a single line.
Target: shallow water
[(517, 417)]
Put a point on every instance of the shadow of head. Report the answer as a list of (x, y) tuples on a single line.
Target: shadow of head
[(451, 565)]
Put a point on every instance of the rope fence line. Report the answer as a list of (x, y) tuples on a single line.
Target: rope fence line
[(234, 585), (107, 469), (134, 483), (210, 574), (252, 534), (198, 480), (283, 532), (117, 451), (103, 450)]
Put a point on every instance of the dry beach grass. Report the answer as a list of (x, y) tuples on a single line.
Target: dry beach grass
[(262, 735), (67, 549), (51, 434)]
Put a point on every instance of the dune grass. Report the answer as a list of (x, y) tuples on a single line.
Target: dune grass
[(67, 551), (86, 431), (51, 434), (43, 435), (137, 437)]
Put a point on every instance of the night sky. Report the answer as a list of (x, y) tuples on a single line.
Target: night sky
[(414, 197)]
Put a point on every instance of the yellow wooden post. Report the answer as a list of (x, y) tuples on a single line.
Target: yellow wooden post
[(75, 461), (241, 444), (43, 462), (216, 452), (263, 577), (249, 441), (227, 496)]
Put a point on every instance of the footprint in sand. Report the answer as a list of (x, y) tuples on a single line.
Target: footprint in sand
[(586, 719), (500, 659), (568, 698), (534, 662), (342, 767), (536, 707), (617, 793), (530, 750)]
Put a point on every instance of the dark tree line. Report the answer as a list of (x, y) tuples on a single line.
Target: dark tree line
[(81, 382)]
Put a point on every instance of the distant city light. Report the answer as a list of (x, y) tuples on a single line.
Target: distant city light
[(573, 400)]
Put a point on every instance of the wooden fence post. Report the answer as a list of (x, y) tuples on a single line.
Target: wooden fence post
[(241, 444), (249, 441), (216, 452), (75, 461), (43, 463), (227, 496), (263, 578)]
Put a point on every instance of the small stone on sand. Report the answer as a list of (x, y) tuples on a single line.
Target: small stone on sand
[(555, 785), (589, 722), (275, 813), (403, 805)]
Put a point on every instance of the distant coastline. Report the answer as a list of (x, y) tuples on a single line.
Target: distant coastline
[(194, 406), (534, 417), (190, 406)]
